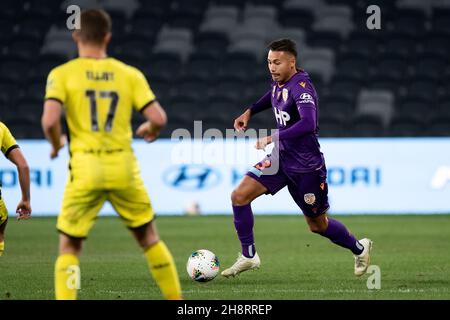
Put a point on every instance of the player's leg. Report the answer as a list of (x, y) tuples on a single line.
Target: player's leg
[(254, 184), (248, 190), (3, 223), (67, 267), (310, 192), (2, 235), (79, 210), (134, 207), (160, 260)]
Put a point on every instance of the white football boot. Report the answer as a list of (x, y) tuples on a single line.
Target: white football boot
[(362, 261), (242, 264)]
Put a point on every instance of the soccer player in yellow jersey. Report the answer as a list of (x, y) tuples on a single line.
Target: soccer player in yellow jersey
[(12, 152), (98, 94)]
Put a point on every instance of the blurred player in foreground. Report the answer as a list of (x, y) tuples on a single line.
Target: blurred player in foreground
[(98, 94), (301, 164), (13, 153)]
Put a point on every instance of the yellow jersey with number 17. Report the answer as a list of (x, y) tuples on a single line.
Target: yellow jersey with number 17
[(98, 96)]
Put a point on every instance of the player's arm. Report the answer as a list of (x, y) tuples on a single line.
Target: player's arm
[(156, 120), (264, 103), (51, 125), (24, 207)]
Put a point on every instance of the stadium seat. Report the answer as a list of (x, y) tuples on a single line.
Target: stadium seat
[(361, 43), (289, 18), (414, 107), (14, 70), (378, 103), (232, 87), (423, 88), (435, 44), (175, 41), (405, 126), (391, 66), (319, 61), (344, 87), (425, 6), (354, 66), (296, 34), (266, 12), (202, 65), (239, 64), (24, 49), (183, 20), (367, 126), (439, 126), (430, 66), (7, 27), (193, 87), (410, 22), (164, 65), (331, 125), (12, 9), (308, 5), (443, 106), (33, 28), (401, 45), (221, 19), (337, 18), (144, 25), (441, 21), (324, 39), (214, 44), (128, 7)]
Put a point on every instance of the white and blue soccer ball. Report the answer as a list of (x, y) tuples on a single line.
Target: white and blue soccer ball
[(202, 265)]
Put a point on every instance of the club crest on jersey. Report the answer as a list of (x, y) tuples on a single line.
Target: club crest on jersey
[(302, 84), (309, 198), (285, 94)]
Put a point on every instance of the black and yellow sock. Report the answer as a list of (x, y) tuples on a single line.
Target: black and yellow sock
[(2, 247), (162, 267), (67, 277)]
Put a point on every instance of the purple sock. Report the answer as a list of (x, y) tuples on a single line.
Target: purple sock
[(243, 221), (339, 234)]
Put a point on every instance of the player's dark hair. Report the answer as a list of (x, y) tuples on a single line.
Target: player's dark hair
[(286, 45), (95, 24)]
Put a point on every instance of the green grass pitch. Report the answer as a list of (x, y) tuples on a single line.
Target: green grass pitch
[(413, 253)]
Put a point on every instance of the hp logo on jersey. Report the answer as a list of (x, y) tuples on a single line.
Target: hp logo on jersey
[(281, 116)]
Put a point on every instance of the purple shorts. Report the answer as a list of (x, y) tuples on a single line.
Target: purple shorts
[(309, 190)]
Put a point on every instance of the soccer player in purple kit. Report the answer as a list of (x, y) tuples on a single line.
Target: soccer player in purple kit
[(301, 165)]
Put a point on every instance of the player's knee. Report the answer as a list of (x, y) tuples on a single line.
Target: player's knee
[(239, 198), (317, 228)]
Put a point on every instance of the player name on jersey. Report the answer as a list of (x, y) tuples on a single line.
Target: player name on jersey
[(100, 76)]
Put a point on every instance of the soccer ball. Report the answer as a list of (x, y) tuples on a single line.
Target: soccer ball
[(202, 265)]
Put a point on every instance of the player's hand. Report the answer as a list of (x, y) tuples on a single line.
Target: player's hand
[(261, 143), (62, 143), (23, 210), (147, 132), (240, 123)]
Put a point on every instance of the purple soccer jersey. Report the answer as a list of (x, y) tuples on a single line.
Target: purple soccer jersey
[(295, 106), (297, 150)]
